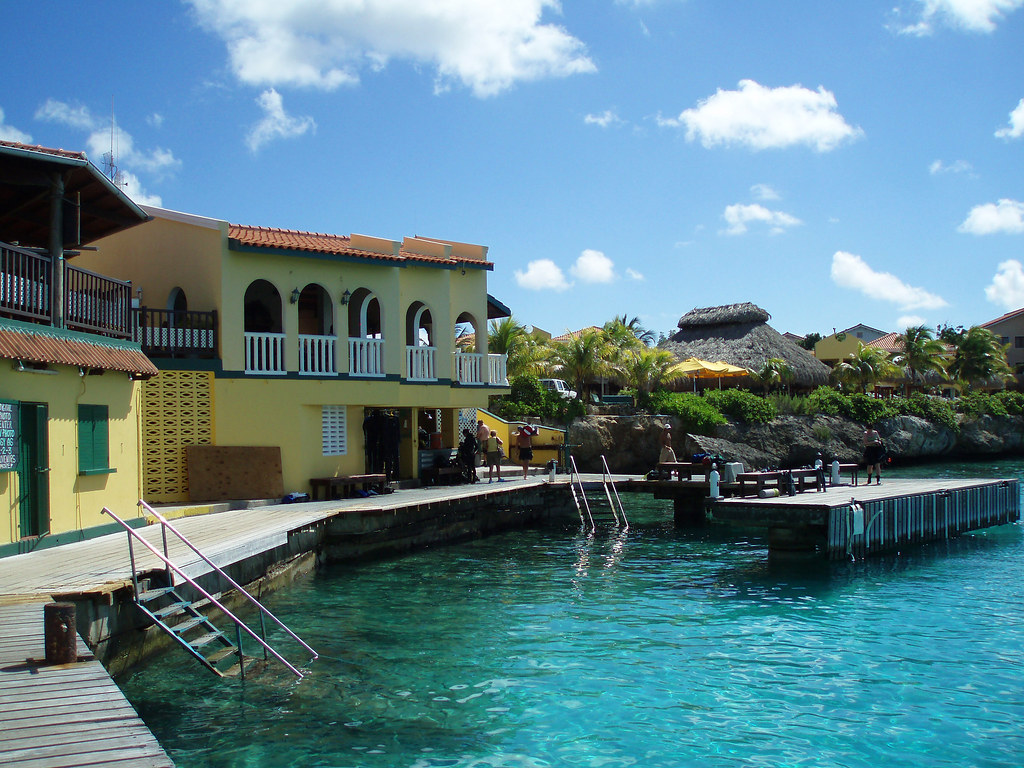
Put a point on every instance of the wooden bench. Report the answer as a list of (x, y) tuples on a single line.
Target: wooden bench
[(687, 468), (344, 486), (802, 480), (853, 469)]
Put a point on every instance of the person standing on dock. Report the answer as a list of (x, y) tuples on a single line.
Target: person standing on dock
[(873, 453), (667, 453), (482, 433), (524, 442), (492, 449)]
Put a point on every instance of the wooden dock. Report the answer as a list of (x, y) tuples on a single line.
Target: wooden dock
[(845, 521), (63, 715)]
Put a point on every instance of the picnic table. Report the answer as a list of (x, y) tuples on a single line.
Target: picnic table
[(802, 480)]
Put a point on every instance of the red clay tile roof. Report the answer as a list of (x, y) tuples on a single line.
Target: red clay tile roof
[(42, 344), (44, 150), (1001, 318), (339, 245), (575, 334), (891, 342)]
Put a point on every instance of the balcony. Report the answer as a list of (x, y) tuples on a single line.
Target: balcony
[(497, 370), (420, 363), (91, 302), (264, 354), (168, 333), (317, 355), (366, 357)]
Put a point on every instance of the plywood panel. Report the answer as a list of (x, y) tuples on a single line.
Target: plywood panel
[(223, 472)]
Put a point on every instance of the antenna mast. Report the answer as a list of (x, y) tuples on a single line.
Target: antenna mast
[(110, 158)]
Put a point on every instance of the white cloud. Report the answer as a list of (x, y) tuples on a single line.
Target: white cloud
[(632, 274), (10, 133), (968, 15), (738, 216), (101, 139), (593, 267), (957, 166), (484, 46), (767, 118), (909, 321), (276, 123), (156, 120), (542, 275), (851, 271), (1016, 127), (764, 192), (606, 118), (991, 218), (1007, 288)]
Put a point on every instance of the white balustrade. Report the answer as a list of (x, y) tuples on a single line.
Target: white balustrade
[(317, 355), (264, 353), (469, 368), (497, 370), (419, 364), (366, 357)]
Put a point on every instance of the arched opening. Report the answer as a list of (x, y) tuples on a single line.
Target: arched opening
[(264, 331), (365, 334), (420, 353), (470, 343), (176, 301), (317, 348)]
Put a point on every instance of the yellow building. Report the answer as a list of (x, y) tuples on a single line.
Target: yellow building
[(842, 344), (339, 351), (69, 372)]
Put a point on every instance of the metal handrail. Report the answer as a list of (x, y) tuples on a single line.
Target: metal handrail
[(263, 609), (583, 493), (238, 622), (607, 472)]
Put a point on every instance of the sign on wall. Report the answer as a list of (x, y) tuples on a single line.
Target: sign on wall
[(8, 436)]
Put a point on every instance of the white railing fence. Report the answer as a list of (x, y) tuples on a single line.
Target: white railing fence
[(419, 363), (317, 355), (264, 353), (469, 367), (366, 357)]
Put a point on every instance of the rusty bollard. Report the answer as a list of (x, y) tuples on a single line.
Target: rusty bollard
[(60, 633)]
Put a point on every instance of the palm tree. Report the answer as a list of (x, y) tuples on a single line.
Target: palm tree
[(865, 367), (508, 337), (619, 324), (646, 369), (581, 360), (773, 374), (921, 353), (979, 355)]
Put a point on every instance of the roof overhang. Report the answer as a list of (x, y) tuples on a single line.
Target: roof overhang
[(495, 309), (93, 206)]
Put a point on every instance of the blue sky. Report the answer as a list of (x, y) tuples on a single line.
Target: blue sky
[(835, 163)]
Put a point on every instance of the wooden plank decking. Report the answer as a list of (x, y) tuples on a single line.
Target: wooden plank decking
[(64, 715)]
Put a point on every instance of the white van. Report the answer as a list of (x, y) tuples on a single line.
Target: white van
[(559, 386)]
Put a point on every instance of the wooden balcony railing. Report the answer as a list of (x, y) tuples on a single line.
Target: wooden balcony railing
[(91, 302), (170, 333)]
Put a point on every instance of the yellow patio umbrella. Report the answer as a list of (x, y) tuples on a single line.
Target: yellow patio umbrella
[(702, 369)]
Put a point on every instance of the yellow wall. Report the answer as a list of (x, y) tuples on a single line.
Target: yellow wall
[(76, 501), (164, 254), (830, 349)]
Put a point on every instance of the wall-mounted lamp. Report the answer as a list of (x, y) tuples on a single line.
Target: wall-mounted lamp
[(295, 295), (346, 296), (19, 366), (81, 372)]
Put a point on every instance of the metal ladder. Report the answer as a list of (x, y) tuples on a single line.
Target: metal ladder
[(615, 504), (185, 624)]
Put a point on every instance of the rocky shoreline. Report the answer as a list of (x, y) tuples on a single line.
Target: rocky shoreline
[(630, 442)]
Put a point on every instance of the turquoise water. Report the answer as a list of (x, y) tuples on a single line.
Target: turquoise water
[(653, 647)]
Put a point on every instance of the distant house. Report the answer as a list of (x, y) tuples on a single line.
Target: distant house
[(1009, 329), (570, 335), (840, 345), (337, 352), (70, 373), (739, 334)]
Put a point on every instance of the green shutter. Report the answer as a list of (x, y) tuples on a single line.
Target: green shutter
[(93, 456)]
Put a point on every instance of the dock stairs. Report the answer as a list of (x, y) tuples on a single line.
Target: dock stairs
[(583, 506), (164, 603)]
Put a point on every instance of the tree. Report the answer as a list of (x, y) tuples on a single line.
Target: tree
[(921, 352), (581, 360), (622, 327), (644, 369), (865, 367), (810, 340), (978, 356), (508, 337), (774, 374)]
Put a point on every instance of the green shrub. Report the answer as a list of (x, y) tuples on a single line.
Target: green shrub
[(822, 432), (976, 404), (697, 414), (1012, 401), (828, 401), (741, 405), (934, 409), (794, 405), (868, 410), (527, 397)]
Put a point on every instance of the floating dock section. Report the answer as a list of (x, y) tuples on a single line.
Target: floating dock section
[(845, 522)]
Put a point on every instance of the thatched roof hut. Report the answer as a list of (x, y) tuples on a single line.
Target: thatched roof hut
[(740, 334)]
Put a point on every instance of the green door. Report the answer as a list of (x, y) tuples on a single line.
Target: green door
[(34, 471)]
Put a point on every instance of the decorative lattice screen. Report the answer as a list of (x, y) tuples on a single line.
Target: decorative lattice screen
[(177, 410)]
